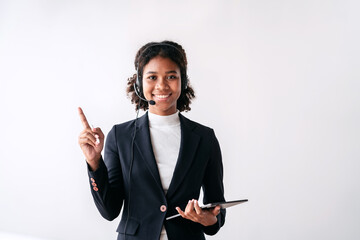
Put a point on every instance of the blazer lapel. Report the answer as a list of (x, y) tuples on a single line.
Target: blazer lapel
[(188, 146), (143, 145)]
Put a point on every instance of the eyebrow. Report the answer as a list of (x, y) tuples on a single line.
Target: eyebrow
[(152, 72)]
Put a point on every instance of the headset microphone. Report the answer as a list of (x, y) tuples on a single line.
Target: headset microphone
[(151, 102)]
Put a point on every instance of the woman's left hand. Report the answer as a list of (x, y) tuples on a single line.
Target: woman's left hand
[(194, 213)]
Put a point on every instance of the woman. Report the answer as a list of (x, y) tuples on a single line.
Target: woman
[(155, 165)]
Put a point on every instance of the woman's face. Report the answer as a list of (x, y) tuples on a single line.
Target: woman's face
[(162, 83)]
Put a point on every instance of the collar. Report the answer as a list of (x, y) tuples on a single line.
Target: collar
[(160, 121)]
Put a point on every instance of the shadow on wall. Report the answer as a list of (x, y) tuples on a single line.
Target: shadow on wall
[(16, 236)]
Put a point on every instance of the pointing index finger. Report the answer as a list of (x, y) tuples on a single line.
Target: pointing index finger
[(83, 118)]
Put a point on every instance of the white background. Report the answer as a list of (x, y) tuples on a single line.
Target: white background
[(277, 80)]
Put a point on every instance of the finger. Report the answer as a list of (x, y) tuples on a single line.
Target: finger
[(88, 136), (198, 209), (86, 141), (98, 135), (97, 138), (192, 214), (180, 212), (216, 210), (190, 206), (98, 132), (83, 118)]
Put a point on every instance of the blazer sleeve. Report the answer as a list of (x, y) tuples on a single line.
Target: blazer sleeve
[(213, 184), (107, 187)]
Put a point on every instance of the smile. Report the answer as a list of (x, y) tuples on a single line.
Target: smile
[(162, 96)]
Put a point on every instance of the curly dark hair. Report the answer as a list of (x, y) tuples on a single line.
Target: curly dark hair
[(177, 54)]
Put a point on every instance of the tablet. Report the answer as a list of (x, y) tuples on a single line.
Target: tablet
[(224, 204), (212, 205)]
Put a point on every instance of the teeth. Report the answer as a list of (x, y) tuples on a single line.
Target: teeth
[(162, 96)]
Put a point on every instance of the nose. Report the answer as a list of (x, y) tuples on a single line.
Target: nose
[(161, 84)]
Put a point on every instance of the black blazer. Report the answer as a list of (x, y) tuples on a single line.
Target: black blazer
[(199, 165)]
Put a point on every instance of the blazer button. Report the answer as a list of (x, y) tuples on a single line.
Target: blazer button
[(94, 184), (92, 180), (95, 189), (163, 208)]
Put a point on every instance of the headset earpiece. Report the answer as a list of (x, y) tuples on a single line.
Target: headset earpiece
[(138, 83)]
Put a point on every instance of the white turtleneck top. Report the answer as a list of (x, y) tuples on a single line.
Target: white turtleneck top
[(165, 134), (165, 137)]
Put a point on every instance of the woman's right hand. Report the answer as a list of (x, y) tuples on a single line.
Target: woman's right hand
[(91, 141)]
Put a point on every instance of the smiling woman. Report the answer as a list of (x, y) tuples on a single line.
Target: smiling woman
[(149, 57), (157, 164)]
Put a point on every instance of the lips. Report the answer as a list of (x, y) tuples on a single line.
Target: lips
[(161, 96)]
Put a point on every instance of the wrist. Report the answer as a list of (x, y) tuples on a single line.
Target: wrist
[(94, 163)]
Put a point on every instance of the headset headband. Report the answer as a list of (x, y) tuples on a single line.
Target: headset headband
[(154, 45)]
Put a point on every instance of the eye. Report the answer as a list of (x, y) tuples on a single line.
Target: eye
[(172, 77), (151, 77)]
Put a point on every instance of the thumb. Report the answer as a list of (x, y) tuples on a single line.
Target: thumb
[(216, 210)]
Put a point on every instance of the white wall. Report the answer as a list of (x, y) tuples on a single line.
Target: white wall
[(277, 80)]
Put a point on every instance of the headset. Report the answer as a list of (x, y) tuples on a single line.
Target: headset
[(138, 88)]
